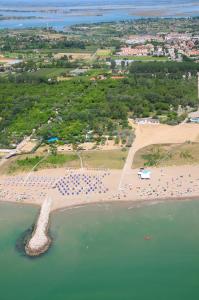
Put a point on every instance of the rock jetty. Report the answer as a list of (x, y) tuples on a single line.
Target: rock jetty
[(40, 240)]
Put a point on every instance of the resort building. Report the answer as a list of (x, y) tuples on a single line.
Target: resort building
[(143, 121), (194, 120), (194, 117), (144, 174)]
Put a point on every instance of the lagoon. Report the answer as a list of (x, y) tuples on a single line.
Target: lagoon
[(62, 14)]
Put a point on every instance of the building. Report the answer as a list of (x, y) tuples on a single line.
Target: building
[(194, 120), (193, 52), (138, 51), (144, 174), (142, 39), (193, 117), (116, 77), (144, 121)]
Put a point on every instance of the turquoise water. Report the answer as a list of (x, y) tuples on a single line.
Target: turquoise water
[(101, 252)]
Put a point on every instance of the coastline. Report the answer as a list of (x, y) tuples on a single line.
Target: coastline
[(60, 188), (40, 240), (135, 203), (72, 187)]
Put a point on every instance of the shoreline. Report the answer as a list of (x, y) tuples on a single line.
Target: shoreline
[(136, 202), (71, 188)]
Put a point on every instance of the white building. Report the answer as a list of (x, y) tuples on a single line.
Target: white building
[(144, 121)]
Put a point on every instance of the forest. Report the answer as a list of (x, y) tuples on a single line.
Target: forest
[(72, 109)]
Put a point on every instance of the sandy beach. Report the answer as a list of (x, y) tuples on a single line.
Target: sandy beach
[(69, 187), (180, 182)]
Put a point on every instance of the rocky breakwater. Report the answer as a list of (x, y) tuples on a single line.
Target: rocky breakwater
[(40, 240)]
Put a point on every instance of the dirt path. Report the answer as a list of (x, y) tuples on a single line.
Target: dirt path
[(157, 134)]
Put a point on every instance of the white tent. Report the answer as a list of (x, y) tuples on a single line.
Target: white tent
[(144, 174)]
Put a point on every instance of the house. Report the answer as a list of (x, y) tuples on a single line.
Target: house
[(117, 77), (138, 51), (193, 52)]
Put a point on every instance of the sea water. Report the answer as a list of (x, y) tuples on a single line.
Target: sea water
[(113, 252)]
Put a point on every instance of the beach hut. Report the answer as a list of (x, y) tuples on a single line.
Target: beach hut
[(144, 174)]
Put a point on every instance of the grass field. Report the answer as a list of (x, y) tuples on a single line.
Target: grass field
[(96, 72), (141, 58), (69, 50), (103, 52), (50, 72), (167, 155), (25, 163), (112, 159)]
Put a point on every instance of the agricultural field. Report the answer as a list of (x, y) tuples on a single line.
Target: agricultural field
[(74, 55), (90, 50), (167, 155), (51, 72), (103, 52), (141, 58)]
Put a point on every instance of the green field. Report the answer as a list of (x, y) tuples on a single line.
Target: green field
[(141, 58), (167, 155), (96, 72), (89, 49), (51, 72), (112, 159), (25, 163), (103, 52)]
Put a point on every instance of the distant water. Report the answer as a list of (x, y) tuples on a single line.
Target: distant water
[(101, 252), (101, 11)]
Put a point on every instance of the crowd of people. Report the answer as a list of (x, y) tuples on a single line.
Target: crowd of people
[(168, 187)]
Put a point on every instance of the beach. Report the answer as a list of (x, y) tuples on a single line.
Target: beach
[(73, 187), (181, 182)]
